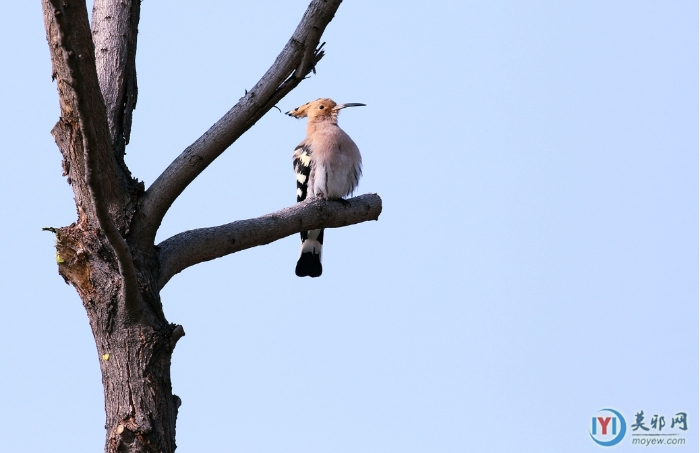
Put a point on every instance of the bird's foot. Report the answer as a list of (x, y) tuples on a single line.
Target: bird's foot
[(344, 202)]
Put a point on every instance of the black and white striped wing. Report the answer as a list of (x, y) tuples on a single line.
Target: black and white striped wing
[(302, 168)]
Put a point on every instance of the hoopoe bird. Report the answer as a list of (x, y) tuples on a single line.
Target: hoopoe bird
[(327, 164)]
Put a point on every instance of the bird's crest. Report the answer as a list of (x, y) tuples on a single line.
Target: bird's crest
[(322, 107), (319, 104)]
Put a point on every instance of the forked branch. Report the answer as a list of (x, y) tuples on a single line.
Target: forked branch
[(294, 63), (78, 53), (192, 247)]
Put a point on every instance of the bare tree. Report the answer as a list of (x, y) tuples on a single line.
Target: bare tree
[(109, 254)]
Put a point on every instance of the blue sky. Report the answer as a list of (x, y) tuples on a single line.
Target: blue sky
[(536, 259)]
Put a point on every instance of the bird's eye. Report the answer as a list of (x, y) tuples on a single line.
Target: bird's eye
[(320, 107)]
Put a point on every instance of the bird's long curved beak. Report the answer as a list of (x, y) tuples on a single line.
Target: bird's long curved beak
[(350, 104)]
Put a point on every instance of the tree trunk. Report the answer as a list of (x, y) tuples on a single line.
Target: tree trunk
[(134, 357), (140, 407)]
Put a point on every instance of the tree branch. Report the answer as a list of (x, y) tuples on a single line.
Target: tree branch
[(114, 31), (78, 53), (192, 247), (293, 64)]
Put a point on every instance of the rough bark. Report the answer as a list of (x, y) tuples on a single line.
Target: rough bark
[(108, 254), (114, 31)]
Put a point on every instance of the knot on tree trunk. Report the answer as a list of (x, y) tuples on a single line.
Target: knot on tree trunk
[(71, 257)]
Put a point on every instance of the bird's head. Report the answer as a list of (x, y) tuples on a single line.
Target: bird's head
[(320, 108)]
